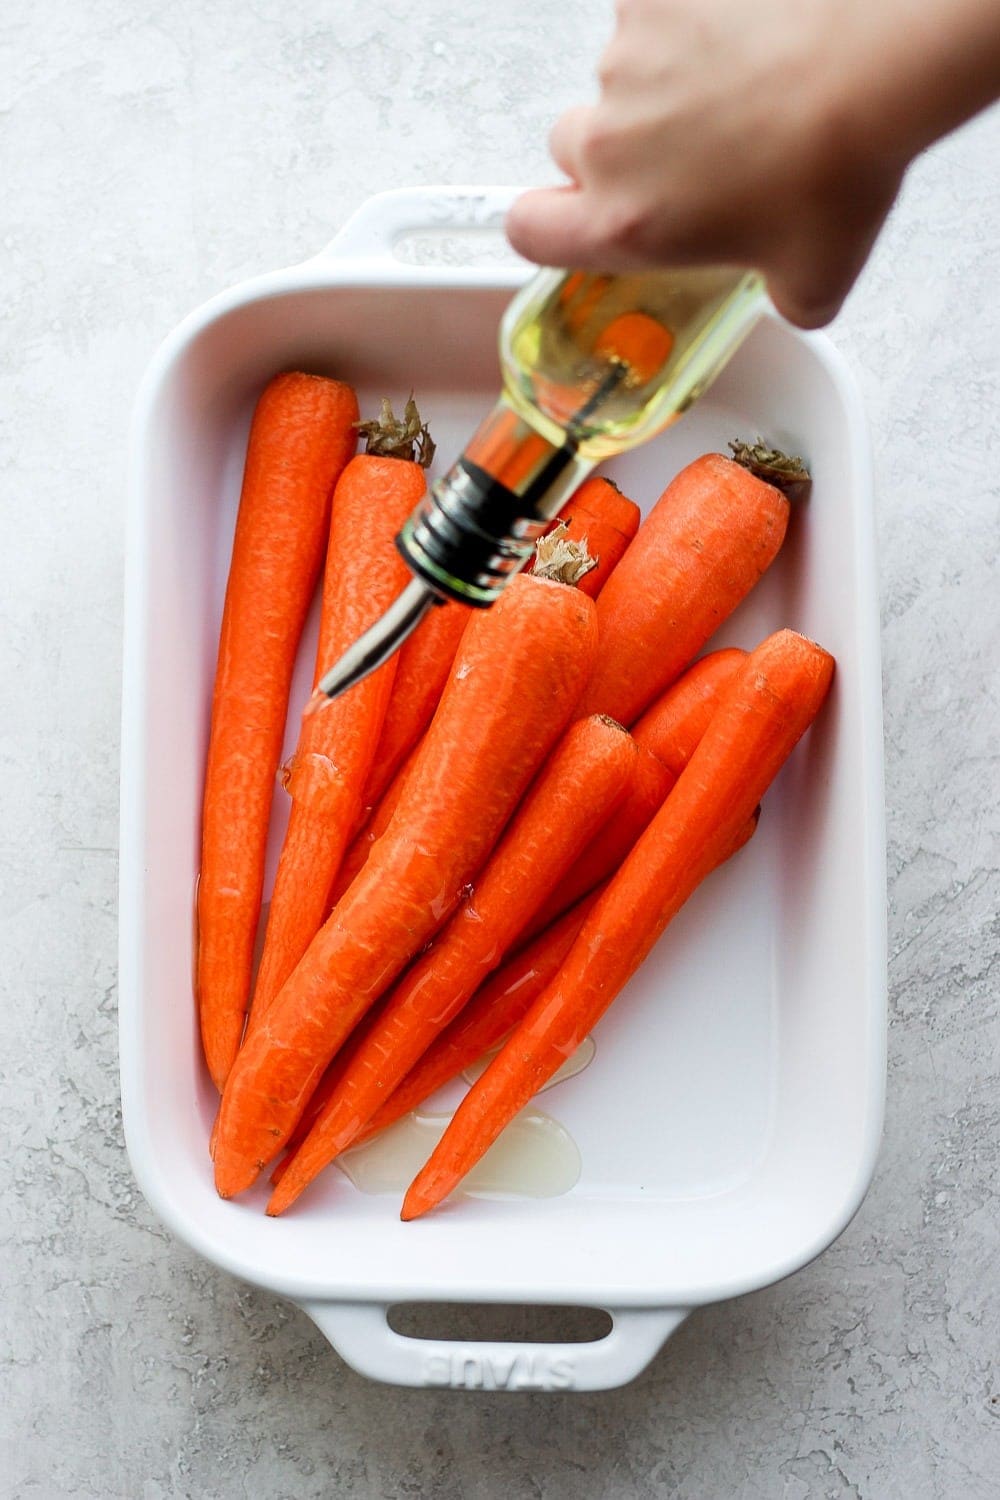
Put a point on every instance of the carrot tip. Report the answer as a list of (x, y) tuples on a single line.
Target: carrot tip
[(286, 1190), (415, 1204), (234, 1177)]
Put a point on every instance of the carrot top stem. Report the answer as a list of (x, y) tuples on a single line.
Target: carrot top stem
[(560, 559), (786, 472), (389, 436)]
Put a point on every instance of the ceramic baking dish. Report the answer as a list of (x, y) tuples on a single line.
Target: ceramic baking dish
[(728, 1126)]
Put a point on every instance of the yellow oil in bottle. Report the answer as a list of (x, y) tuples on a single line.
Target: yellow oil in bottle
[(592, 365), (608, 361)]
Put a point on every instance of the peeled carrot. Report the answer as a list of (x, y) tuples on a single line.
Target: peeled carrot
[(497, 1006), (671, 729), (424, 662), (711, 535), (515, 683), (763, 711), (673, 725), (583, 780), (568, 561), (360, 846), (301, 437), (332, 1076), (600, 515), (649, 786), (667, 735), (364, 573), (495, 1009)]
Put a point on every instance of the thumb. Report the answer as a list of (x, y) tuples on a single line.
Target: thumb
[(550, 226), (803, 305)]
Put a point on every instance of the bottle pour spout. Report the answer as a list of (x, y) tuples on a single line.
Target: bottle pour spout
[(376, 645)]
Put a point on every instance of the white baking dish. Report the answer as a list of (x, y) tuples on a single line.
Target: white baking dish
[(729, 1125)]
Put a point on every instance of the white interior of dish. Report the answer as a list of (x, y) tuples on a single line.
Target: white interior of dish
[(728, 1123)]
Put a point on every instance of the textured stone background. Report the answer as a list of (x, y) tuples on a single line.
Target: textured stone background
[(151, 154)]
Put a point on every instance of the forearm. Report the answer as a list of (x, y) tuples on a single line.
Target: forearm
[(712, 113), (923, 67)]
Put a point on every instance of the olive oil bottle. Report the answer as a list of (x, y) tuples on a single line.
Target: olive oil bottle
[(592, 365)]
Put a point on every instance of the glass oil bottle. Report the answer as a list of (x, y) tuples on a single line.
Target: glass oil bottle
[(592, 365)]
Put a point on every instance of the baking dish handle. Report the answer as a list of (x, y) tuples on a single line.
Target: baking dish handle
[(360, 1333), (373, 231)]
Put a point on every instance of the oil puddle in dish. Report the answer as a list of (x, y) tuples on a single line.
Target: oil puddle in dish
[(535, 1157)]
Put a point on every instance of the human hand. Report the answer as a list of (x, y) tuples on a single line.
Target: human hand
[(763, 134)]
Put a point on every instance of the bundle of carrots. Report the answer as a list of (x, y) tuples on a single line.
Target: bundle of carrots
[(487, 836)]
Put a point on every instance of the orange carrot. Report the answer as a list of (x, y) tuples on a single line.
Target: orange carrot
[(497, 1006), (667, 735), (495, 1009), (706, 542), (600, 515), (672, 727), (424, 662), (650, 784), (301, 437), (371, 830), (364, 573), (515, 683), (583, 780), (763, 711), (329, 1081), (675, 725)]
